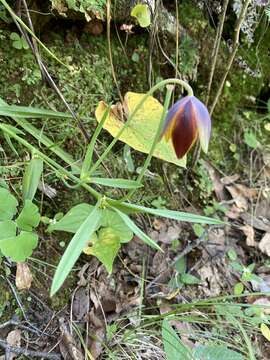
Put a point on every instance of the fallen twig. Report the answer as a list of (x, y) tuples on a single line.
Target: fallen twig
[(32, 354)]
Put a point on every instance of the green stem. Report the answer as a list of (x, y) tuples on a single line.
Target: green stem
[(145, 97), (19, 20), (156, 139), (49, 161)]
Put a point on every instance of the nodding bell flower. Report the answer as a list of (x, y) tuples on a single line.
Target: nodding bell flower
[(187, 120)]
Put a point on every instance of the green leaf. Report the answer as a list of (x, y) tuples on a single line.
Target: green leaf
[(73, 219), (75, 247), (198, 230), (250, 139), (170, 214), (8, 205), (24, 43), (117, 183), (7, 229), (111, 219), (181, 265), (26, 112), (20, 247), (238, 288), (8, 140), (14, 36), (128, 158), (134, 228), (189, 279), (265, 331), (216, 352), (31, 178), (140, 132), (232, 254), (105, 247), (142, 13), (29, 217), (173, 346)]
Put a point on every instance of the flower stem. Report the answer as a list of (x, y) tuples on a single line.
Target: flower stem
[(169, 91), (145, 97)]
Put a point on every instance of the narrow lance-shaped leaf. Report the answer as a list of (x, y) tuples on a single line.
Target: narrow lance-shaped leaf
[(117, 183), (75, 248), (170, 214), (31, 178), (137, 231)]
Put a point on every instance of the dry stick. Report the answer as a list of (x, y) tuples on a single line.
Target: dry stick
[(214, 56), (228, 67), (44, 71), (110, 49), (233, 53), (32, 354), (216, 48)]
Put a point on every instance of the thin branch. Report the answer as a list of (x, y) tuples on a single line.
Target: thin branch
[(235, 46), (216, 48), (32, 354)]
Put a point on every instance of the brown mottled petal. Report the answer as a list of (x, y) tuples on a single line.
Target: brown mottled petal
[(185, 130), (171, 117)]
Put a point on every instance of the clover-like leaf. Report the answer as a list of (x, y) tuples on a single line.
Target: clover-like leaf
[(7, 229), (105, 247), (18, 42), (20, 247), (29, 217), (141, 131), (8, 205)]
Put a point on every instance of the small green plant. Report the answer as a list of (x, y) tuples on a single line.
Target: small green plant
[(90, 8), (246, 272), (18, 237), (100, 229), (175, 348), (18, 42)]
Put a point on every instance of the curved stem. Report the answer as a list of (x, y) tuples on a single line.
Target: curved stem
[(156, 139), (149, 93)]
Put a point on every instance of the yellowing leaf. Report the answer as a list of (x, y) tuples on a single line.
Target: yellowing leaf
[(142, 13), (142, 129), (265, 331), (105, 247)]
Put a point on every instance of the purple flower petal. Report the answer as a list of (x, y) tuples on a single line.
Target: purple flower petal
[(185, 132), (203, 122), (170, 118)]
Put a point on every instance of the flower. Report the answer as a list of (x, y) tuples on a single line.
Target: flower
[(187, 120)]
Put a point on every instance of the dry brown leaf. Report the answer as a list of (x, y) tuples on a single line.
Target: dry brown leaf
[(264, 244), (246, 191), (240, 200), (234, 212), (96, 346), (68, 342), (81, 303), (263, 209), (255, 222), (250, 235), (24, 277), (227, 180), (217, 184), (14, 339)]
